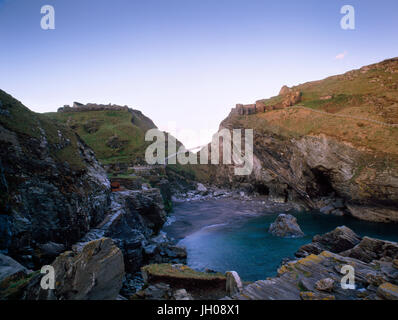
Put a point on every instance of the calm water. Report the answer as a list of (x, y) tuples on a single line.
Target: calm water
[(242, 243)]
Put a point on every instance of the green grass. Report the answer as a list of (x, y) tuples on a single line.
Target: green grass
[(110, 123), (27, 124), (167, 270)]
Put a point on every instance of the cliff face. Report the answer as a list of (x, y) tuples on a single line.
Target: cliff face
[(339, 142), (53, 188)]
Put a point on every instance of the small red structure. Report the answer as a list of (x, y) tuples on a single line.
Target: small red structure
[(115, 186)]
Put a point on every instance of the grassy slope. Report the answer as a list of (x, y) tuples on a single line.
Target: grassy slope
[(371, 94), (111, 123), (27, 123), (129, 127)]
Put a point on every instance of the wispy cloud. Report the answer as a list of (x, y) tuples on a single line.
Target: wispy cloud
[(341, 56)]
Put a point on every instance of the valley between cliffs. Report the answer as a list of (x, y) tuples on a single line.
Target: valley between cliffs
[(76, 194)]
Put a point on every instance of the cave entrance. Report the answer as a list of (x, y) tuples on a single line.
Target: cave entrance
[(323, 181), (261, 189)]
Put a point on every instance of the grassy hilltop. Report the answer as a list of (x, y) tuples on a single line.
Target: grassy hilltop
[(115, 136), (370, 92)]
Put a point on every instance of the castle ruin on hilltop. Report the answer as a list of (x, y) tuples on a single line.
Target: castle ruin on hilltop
[(289, 97), (79, 107)]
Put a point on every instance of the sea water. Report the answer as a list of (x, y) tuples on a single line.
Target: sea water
[(244, 245)]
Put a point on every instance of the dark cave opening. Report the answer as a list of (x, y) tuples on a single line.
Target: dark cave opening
[(261, 189), (323, 181)]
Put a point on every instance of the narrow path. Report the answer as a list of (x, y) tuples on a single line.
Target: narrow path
[(347, 116)]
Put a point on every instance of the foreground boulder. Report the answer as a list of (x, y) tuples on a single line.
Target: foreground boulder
[(9, 266), (95, 273), (338, 240), (286, 226)]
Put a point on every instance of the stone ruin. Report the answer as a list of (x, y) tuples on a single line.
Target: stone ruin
[(79, 107), (290, 97)]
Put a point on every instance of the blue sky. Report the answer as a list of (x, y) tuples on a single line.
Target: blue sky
[(186, 62)]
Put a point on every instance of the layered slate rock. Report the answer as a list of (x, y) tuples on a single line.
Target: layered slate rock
[(388, 291), (319, 275), (95, 273), (286, 226), (298, 280), (307, 153), (338, 240), (370, 249)]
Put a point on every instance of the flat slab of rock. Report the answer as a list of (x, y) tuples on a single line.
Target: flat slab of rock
[(9, 266), (286, 226), (388, 291)]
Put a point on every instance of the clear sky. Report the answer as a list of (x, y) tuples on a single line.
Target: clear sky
[(186, 62)]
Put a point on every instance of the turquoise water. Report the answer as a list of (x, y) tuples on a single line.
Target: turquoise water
[(244, 245)]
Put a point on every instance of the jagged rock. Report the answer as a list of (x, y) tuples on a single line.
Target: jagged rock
[(56, 190), (285, 225), (395, 263), (326, 284), (375, 279), (182, 294), (234, 283), (95, 273), (157, 291), (284, 90), (373, 249), (327, 209), (149, 205), (388, 291), (201, 187), (338, 240), (337, 212), (9, 266), (49, 251)]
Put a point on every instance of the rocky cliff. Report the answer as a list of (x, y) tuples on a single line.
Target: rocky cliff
[(53, 188), (340, 141)]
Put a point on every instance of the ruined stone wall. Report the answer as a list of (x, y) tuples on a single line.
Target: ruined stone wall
[(78, 107)]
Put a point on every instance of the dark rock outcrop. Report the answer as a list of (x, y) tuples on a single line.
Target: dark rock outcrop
[(55, 188), (336, 241), (133, 222), (370, 249)]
